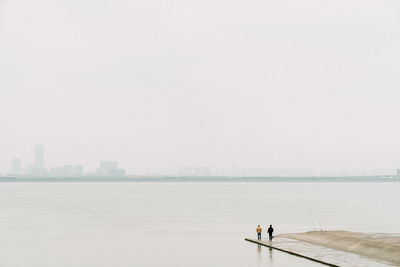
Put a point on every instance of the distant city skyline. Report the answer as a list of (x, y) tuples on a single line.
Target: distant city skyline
[(38, 167), (111, 168)]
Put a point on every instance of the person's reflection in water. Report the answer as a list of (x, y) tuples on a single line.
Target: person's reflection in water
[(270, 255), (259, 254)]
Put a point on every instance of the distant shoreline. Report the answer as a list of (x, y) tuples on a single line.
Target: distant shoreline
[(202, 179)]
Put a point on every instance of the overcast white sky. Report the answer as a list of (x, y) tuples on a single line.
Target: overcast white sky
[(160, 84)]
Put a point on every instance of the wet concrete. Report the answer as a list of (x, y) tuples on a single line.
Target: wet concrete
[(320, 254), (383, 247)]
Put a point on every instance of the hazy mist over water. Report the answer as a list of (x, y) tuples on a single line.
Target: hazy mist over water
[(165, 94), (157, 85)]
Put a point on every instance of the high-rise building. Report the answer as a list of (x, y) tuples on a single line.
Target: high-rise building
[(39, 156), (38, 169), (109, 168), (16, 166)]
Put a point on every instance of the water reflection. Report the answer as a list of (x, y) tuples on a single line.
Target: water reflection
[(259, 254), (270, 254)]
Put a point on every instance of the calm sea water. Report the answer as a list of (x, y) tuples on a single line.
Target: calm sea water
[(179, 224)]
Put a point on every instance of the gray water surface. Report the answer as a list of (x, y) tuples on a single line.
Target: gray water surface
[(179, 224)]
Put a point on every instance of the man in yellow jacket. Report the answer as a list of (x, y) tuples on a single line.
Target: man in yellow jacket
[(259, 231)]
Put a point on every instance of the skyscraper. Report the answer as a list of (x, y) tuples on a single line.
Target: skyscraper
[(39, 157), (38, 169)]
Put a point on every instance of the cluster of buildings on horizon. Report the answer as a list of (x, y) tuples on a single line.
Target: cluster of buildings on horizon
[(111, 169), (204, 171), (38, 169)]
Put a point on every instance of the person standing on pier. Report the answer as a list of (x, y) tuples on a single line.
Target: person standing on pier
[(259, 231), (270, 231)]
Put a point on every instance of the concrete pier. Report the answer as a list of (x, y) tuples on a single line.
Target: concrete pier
[(377, 246), (270, 245)]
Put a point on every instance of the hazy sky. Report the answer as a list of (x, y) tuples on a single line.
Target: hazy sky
[(160, 84)]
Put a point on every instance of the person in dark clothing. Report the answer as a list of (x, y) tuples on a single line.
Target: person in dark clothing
[(270, 231)]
